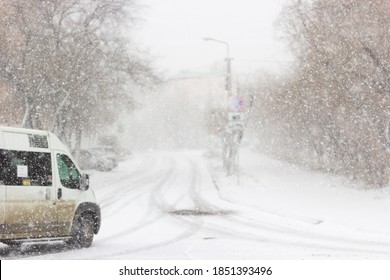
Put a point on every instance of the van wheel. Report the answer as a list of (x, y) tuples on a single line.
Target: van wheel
[(82, 232)]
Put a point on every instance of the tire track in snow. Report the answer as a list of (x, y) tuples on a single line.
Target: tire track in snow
[(125, 183), (154, 203), (162, 177), (158, 200)]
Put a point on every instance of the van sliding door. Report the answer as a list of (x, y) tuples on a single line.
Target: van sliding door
[(29, 207)]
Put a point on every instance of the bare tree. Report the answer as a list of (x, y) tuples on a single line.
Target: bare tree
[(69, 63), (335, 107)]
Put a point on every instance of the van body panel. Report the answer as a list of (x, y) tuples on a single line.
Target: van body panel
[(65, 210), (18, 140), (2, 196), (2, 209), (30, 211), (15, 141), (56, 144)]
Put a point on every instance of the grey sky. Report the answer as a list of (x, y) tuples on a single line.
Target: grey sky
[(173, 32)]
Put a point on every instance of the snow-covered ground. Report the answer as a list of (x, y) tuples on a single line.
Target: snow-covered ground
[(178, 205)]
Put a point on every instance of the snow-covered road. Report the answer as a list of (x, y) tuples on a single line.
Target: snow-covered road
[(177, 205)]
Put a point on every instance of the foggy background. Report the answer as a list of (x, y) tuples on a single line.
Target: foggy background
[(141, 73)]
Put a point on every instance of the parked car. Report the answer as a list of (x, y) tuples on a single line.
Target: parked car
[(107, 154), (99, 158)]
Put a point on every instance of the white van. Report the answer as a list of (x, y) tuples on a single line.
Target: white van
[(43, 195)]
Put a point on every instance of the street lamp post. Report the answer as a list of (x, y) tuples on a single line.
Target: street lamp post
[(228, 81), (229, 151)]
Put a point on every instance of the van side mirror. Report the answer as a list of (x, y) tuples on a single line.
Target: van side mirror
[(84, 182)]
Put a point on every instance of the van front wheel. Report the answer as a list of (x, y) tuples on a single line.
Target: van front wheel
[(82, 232)]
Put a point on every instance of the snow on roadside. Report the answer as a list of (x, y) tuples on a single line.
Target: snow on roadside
[(299, 199)]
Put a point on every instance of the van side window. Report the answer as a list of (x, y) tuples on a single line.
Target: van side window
[(21, 168), (69, 175)]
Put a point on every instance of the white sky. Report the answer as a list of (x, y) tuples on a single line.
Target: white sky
[(173, 31)]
